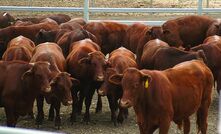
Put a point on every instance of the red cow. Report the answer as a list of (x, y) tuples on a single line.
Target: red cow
[(73, 24), (215, 40), (110, 35), (149, 50), (59, 18), (214, 28), (30, 31), (119, 60), (158, 55), (19, 48), (159, 97), (213, 54), (86, 63), (6, 20), (28, 81), (61, 81), (186, 31)]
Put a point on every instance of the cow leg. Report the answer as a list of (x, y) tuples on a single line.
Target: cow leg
[(88, 99), (57, 118), (80, 103), (113, 107), (74, 107), (202, 114), (40, 114), (218, 86), (99, 104), (11, 117), (123, 113), (164, 125), (186, 125), (51, 113)]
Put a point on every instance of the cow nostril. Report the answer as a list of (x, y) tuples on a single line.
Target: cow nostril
[(100, 92), (70, 102), (48, 89)]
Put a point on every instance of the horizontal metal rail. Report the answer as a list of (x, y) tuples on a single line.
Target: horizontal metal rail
[(129, 22), (26, 8)]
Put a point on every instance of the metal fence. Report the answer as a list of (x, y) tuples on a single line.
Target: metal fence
[(86, 9)]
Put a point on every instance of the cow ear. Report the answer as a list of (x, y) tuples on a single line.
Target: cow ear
[(84, 60), (149, 32), (147, 79), (27, 73), (166, 31), (75, 81), (116, 79), (217, 26)]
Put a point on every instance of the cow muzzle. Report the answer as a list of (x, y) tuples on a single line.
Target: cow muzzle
[(100, 78), (125, 103), (101, 92), (47, 89)]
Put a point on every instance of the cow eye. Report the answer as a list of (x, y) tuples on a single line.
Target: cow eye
[(166, 31)]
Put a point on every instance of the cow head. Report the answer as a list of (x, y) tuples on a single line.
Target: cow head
[(107, 86), (61, 87), (38, 76), (45, 36), (154, 32), (133, 82), (96, 64), (171, 34), (214, 28)]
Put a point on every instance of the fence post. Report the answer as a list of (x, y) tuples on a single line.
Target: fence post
[(200, 6), (207, 3), (86, 10)]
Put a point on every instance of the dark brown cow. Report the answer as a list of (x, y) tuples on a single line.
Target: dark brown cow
[(28, 81), (86, 63), (19, 48), (159, 97), (158, 55), (6, 20), (119, 60), (110, 35), (59, 18), (30, 31), (214, 28), (213, 54), (61, 81), (186, 31)]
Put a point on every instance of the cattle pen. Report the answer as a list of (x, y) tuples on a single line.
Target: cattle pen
[(101, 122)]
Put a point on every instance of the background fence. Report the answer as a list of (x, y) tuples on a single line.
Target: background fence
[(87, 10)]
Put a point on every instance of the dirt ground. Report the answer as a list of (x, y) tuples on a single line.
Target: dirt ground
[(101, 123)]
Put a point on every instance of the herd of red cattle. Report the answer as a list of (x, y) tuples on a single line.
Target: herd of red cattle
[(166, 73)]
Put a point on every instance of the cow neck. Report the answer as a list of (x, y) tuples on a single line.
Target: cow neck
[(30, 91)]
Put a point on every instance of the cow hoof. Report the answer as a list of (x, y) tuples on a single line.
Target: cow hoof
[(73, 119), (39, 120), (120, 120), (86, 120), (58, 122), (50, 118)]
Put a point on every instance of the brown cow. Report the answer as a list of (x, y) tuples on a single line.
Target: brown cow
[(213, 54), (28, 81), (149, 50), (215, 40), (19, 48), (110, 35), (159, 97), (30, 31), (186, 31), (73, 24), (61, 81), (214, 28), (6, 20), (158, 55), (59, 18), (119, 60), (86, 63)]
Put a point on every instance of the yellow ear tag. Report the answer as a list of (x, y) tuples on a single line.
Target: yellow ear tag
[(146, 84)]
